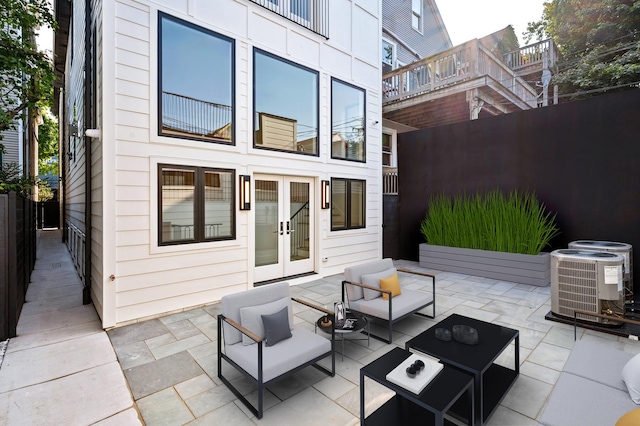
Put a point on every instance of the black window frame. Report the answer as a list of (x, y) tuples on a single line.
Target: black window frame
[(161, 16), (348, 224), (199, 204), (364, 121), (255, 118)]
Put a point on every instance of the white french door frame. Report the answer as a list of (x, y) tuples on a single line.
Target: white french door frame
[(281, 226)]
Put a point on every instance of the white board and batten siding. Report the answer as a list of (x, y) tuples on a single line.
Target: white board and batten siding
[(151, 280)]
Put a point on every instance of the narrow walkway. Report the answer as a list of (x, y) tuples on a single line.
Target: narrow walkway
[(61, 368)]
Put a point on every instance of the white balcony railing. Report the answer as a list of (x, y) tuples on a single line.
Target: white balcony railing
[(532, 55), (461, 63)]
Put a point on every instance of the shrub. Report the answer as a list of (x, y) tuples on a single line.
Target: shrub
[(516, 223)]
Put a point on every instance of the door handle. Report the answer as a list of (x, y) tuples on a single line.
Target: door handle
[(288, 228), (281, 229)]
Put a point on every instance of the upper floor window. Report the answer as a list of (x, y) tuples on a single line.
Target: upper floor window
[(347, 121), (285, 105), (196, 204), (347, 204), (196, 82), (387, 149), (388, 56), (416, 15)]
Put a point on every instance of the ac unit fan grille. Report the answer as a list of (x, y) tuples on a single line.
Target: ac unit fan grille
[(577, 288)]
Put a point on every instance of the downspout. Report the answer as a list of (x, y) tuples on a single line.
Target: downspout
[(88, 110)]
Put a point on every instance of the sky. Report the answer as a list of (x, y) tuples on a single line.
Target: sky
[(469, 19)]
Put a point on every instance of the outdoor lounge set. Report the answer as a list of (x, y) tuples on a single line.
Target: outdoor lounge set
[(259, 339)]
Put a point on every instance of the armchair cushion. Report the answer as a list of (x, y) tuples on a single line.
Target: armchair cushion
[(303, 346), (392, 284), (373, 280), (251, 317), (353, 274), (276, 326), (405, 303)]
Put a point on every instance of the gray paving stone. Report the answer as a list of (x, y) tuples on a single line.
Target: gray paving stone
[(137, 332), (155, 376), (164, 408), (134, 354)]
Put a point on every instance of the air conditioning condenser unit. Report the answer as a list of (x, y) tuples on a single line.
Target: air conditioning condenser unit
[(586, 280)]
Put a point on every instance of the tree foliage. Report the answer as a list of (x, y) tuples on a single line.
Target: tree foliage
[(599, 41), (26, 74), (48, 143)]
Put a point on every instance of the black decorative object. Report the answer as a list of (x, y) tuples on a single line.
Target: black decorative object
[(411, 371), (465, 334), (443, 334)]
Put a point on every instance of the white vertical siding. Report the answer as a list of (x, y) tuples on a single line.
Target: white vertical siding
[(149, 279)]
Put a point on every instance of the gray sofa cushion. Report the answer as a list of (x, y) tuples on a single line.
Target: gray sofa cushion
[(407, 302), (353, 274), (251, 317), (373, 280), (303, 346), (576, 401), (232, 303), (599, 363)]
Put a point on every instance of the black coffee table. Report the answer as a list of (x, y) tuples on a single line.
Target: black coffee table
[(449, 388), (492, 381)]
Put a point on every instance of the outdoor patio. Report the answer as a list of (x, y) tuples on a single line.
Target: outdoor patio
[(170, 363)]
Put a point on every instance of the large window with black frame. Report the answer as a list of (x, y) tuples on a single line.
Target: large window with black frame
[(196, 204), (348, 140), (195, 82), (285, 105), (347, 204)]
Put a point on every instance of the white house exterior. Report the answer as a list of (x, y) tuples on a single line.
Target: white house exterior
[(187, 104)]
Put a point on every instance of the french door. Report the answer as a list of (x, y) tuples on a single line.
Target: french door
[(284, 226)]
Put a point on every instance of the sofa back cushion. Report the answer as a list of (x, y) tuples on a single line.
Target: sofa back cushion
[(232, 303), (373, 280), (354, 274), (251, 317)]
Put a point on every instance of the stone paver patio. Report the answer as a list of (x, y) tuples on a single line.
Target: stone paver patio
[(170, 363)]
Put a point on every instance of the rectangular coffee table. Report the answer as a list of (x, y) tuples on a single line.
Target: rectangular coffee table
[(492, 381), (450, 388)]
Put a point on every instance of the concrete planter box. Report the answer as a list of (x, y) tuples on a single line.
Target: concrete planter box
[(511, 267)]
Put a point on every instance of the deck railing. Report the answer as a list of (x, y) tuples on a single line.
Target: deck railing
[(461, 63), (194, 116), (532, 54), (311, 14), (390, 181)]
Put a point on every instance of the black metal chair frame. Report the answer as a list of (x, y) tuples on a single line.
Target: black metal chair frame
[(392, 320), (258, 412)]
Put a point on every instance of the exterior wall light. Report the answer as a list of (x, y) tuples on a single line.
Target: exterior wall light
[(245, 192), (325, 199)]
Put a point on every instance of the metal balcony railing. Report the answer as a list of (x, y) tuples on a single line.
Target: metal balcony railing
[(311, 14)]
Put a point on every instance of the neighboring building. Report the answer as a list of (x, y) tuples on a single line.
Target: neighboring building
[(206, 139), (411, 30)]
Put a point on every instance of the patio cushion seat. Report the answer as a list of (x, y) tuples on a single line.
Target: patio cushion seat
[(403, 304), (587, 362), (302, 346), (369, 301)]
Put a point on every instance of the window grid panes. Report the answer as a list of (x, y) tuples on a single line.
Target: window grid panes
[(196, 82), (416, 14), (386, 149), (348, 140), (285, 105), (347, 204), (196, 204), (387, 56)]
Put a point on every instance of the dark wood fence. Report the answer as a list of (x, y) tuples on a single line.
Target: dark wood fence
[(17, 258), (580, 158)]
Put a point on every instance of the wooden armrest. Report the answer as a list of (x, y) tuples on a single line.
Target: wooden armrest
[(417, 273), (243, 330), (311, 305), (369, 287)]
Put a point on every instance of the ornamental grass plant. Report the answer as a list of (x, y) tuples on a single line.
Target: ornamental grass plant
[(514, 223)]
